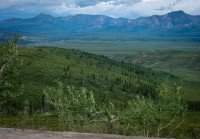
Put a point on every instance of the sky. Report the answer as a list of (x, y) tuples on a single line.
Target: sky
[(114, 8)]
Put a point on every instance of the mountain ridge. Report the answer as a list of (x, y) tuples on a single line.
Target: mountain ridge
[(173, 22)]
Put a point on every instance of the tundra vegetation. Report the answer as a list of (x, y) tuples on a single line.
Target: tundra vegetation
[(70, 90)]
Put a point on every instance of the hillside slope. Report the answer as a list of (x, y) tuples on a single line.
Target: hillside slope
[(184, 64), (109, 79), (166, 60)]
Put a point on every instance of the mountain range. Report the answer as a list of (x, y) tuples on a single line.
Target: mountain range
[(177, 22)]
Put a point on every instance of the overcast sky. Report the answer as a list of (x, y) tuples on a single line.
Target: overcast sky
[(113, 8)]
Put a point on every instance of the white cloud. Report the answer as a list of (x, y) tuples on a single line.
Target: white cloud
[(150, 7), (104, 8), (117, 8), (189, 6), (114, 8)]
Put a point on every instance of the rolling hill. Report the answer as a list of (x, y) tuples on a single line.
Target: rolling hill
[(110, 80)]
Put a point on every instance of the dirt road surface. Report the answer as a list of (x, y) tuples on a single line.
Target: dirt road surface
[(10, 133)]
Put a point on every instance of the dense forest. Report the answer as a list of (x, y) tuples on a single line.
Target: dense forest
[(71, 90)]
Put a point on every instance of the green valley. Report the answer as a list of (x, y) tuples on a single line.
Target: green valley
[(183, 64), (55, 88)]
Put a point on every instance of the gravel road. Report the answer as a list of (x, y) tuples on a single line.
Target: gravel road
[(10, 133)]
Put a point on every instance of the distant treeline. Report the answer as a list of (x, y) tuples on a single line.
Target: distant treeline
[(193, 105)]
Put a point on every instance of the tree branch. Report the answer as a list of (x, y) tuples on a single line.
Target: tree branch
[(2, 68), (168, 124), (176, 127)]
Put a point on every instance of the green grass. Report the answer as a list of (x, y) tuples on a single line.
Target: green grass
[(190, 128), (115, 43), (114, 47), (42, 66), (182, 64)]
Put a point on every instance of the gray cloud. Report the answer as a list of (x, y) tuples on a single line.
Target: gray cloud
[(81, 3), (115, 8)]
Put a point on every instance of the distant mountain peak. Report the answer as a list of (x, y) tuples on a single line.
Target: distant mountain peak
[(177, 21), (43, 15), (177, 13)]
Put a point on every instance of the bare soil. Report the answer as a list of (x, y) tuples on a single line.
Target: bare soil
[(10, 133)]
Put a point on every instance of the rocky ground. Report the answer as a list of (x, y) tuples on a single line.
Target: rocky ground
[(10, 133)]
